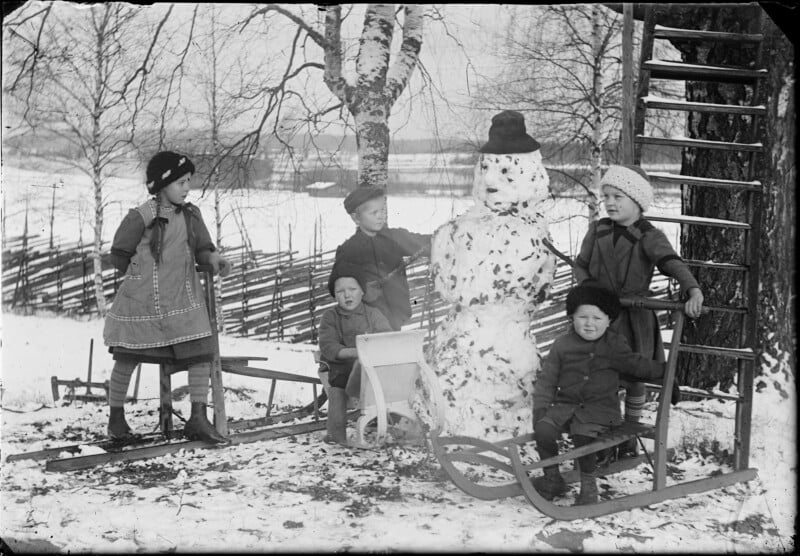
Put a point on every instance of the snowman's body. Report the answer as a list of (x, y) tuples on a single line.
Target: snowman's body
[(491, 265)]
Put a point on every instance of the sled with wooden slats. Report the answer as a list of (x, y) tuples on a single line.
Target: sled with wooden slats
[(462, 457)]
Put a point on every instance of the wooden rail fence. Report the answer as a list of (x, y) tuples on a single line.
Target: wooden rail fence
[(270, 296)]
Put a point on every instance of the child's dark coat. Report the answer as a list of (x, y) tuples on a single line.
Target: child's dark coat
[(382, 255), (580, 378), (627, 269)]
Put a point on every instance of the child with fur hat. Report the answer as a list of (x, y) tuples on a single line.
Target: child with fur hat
[(379, 250), (576, 389), (620, 253), (159, 315), (338, 329)]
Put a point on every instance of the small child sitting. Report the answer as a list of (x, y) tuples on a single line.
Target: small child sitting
[(338, 329), (379, 250), (577, 386)]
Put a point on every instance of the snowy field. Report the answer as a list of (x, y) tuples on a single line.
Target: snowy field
[(267, 218), (297, 493)]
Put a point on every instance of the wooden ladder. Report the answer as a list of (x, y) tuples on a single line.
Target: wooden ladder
[(745, 354)]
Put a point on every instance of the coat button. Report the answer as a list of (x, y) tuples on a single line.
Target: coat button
[(586, 378), (591, 355)]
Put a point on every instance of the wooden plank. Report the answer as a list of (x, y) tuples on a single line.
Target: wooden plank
[(664, 177), (661, 32), (718, 266), (84, 462), (698, 221), (735, 353), (665, 69), (699, 143), (707, 107)]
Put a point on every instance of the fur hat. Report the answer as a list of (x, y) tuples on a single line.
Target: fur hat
[(342, 269), (602, 298), (632, 181), (507, 135), (360, 196), (165, 168)]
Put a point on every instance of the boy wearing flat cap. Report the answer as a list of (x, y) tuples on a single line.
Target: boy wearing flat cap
[(576, 389), (338, 329), (378, 251)]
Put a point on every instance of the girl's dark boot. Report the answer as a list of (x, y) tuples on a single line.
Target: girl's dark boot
[(198, 426), (551, 484), (337, 416), (118, 428)]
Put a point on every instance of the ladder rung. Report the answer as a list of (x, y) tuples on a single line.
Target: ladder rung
[(661, 32), (699, 143), (736, 353), (707, 182), (671, 104), (699, 221), (665, 69), (719, 266)]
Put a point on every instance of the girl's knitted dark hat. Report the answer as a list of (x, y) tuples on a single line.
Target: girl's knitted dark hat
[(165, 168), (600, 297), (343, 269), (507, 135)]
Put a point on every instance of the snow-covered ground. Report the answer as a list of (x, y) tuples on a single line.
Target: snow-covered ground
[(297, 493)]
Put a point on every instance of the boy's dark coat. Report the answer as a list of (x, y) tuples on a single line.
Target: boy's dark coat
[(381, 256)]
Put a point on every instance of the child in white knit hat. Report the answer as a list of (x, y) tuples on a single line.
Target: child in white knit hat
[(620, 253)]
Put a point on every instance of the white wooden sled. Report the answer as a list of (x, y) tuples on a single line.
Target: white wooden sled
[(391, 364)]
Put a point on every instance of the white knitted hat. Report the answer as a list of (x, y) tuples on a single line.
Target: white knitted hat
[(632, 181)]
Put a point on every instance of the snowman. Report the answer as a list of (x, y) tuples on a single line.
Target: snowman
[(490, 264)]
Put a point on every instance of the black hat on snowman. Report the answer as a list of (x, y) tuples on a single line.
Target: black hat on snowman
[(507, 135), (166, 167)]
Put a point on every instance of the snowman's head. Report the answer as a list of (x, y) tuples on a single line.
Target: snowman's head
[(515, 182), (510, 176)]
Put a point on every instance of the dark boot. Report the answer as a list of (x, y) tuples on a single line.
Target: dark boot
[(588, 494), (198, 426), (337, 416), (628, 449), (118, 428), (551, 484)]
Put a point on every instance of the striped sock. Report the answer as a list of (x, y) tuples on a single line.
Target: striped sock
[(633, 408), (119, 382), (198, 382)]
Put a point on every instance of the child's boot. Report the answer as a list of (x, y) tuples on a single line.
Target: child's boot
[(588, 494), (337, 416), (118, 428), (198, 426), (551, 484)]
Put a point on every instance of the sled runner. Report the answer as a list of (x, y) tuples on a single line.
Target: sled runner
[(513, 477), (156, 444), (391, 365)]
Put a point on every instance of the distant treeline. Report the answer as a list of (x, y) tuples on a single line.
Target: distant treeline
[(260, 171)]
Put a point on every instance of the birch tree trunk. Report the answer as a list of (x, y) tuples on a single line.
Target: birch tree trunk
[(597, 108), (378, 82)]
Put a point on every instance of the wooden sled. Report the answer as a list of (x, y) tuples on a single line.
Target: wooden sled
[(391, 363), (505, 458)]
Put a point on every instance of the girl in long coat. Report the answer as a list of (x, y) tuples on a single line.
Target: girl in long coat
[(159, 314), (620, 253)]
